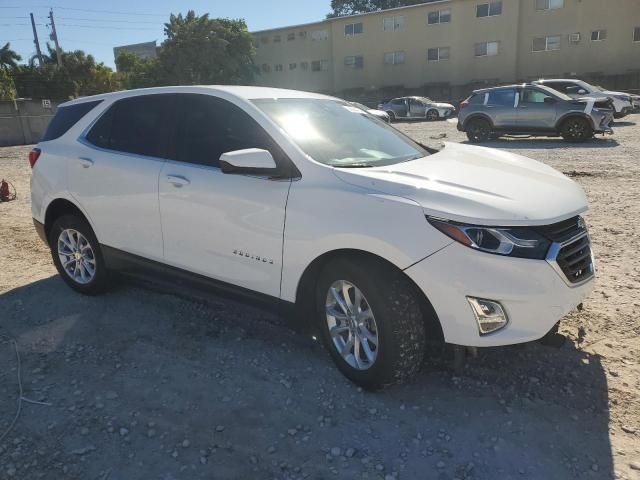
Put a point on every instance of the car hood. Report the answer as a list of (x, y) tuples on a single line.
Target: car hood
[(477, 185), (377, 113)]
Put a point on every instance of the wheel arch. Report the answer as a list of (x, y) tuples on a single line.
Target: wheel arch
[(570, 115), (475, 116), (59, 207), (305, 291)]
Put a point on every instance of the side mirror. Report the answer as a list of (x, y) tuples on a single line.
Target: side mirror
[(250, 161), (549, 100)]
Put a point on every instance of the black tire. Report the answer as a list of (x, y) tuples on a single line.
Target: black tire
[(432, 115), (392, 116), (100, 280), (478, 130), (576, 129), (395, 304)]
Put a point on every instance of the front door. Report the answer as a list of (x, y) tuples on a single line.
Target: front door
[(536, 109), (417, 108), (226, 227)]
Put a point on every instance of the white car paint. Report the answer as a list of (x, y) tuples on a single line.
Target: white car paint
[(593, 92), (211, 223)]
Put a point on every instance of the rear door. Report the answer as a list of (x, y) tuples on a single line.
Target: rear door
[(417, 108), (115, 175), (501, 107), (224, 226), (537, 109)]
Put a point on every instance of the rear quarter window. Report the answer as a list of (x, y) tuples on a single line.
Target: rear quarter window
[(476, 99), (67, 117)]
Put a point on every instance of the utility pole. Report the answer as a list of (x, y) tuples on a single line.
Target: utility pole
[(36, 41), (54, 37)]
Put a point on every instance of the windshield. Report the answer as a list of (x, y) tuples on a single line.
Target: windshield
[(336, 133)]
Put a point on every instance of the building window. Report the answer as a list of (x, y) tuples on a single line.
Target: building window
[(394, 58), (304, 66), (491, 9), (487, 49), (598, 35), (266, 68), (276, 39), (302, 34), (319, 35), (319, 65), (393, 23), (356, 61), (278, 68), (542, 44), (291, 36), (264, 40), (549, 4), (437, 54), (353, 29), (439, 16), (636, 34), (292, 66)]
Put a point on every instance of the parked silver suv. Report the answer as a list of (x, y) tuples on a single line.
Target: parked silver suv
[(532, 110)]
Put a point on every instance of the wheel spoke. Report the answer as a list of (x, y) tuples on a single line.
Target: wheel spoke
[(332, 311), (68, 262), (348, 346), (339, 300), (345, 295), (370, 337), (367, 349), (356, 352), (338, 330)]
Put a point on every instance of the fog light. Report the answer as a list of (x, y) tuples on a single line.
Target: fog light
[(489, 314)]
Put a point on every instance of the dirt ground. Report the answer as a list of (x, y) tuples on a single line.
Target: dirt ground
[(143, 384)]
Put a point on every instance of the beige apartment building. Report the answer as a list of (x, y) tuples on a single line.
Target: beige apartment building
[(455, 44)]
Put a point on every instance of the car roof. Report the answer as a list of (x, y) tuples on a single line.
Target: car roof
[(515, 85), (241, 92)]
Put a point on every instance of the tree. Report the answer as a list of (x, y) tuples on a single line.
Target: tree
[(7, 88), (137, 72), (200, 50), (341, 8), (8, 58)]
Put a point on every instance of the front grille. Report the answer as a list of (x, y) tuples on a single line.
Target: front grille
[(562, 231), (574, 259)]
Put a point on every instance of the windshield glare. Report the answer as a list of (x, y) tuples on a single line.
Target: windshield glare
[(338, 134)]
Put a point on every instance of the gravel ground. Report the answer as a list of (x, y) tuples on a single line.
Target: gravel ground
[(142, 384)]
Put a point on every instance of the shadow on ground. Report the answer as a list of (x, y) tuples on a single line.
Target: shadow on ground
[(147, 385)]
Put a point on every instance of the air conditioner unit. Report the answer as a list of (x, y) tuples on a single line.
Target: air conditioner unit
[(574, 38)]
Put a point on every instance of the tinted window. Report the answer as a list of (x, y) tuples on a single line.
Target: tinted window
[(530, 95), (476, 99), (505, 98), (67, 117), (397, 101), (208, 126), (136, 125)]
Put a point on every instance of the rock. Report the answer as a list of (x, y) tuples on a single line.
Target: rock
[(83, 450), (629, 429), (635, 465), (186, 443), (124, 432), (151, 433), (440, 464), (271, 449), (595, 467), (335, 451), (220, 428), (84, 431), (11, 472), (350, 452)]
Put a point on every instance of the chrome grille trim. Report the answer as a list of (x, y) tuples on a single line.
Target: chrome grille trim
[(555, 250)]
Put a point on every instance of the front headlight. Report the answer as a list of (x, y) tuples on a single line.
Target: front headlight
[(518, 242)]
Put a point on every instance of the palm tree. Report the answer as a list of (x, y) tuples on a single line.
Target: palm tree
[(8, 58)]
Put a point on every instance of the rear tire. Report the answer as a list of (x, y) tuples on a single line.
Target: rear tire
[(77, 255), (576, 129), (478, 130), (381, 308)]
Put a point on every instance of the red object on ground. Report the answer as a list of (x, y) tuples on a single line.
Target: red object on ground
[(7, 192)]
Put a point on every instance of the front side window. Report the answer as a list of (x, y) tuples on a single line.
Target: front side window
[(598, 35), (336, 133), (549, 4), (439, 16), (541, 44), (438, 54), (490, 9), (486, 49), (394, 58), (136, 125), (353, 29), (208, 126), (532, 95), (503, 98)]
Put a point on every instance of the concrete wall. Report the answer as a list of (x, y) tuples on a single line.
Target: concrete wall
[(515, 28), (23, 122)]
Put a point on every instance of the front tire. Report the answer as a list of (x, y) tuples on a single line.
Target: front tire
[(576, 129), (77, 255), (371, 322), (478, 130), (392, 116), (432, 115)]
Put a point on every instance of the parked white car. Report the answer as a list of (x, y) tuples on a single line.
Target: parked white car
[(623, 103), (372, 111), (300, 200)]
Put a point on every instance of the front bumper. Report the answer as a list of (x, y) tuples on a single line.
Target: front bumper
[(40, 231), (533, 294)]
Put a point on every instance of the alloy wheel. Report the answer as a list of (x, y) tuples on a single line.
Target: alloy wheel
[(76, 256), (576, 129), (432, 115), (352, 325)]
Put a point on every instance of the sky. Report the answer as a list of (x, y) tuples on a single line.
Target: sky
[(97, 27)]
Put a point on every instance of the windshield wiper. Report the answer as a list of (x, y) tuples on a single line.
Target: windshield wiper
[(353, 165)]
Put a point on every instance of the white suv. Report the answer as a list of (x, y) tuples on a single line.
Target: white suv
[(302, 200)]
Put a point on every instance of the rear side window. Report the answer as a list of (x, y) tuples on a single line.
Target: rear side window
[(208, 126), (504, 98), (140, 125), (67, 117), (476, 99)]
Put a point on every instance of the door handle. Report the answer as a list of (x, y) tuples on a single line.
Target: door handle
[(85, 162), (177, 181)]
